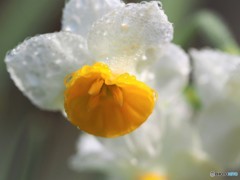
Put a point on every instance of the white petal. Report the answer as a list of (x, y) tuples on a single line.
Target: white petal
[(178, 136), (181, 152), (129, 31), (91, 155), (219, 128), (216, 75), (169, 73), (79, 15), (38, 66)]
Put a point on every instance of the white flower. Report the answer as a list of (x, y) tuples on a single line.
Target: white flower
[(217, 81), (216, 75), (103, 45)]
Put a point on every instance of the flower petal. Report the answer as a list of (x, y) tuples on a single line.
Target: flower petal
[(128, 31), (91, 154), (168, 72), (217, 80), (178, 134), (79, 15), (216, 75), (38, 66), (219, 128)]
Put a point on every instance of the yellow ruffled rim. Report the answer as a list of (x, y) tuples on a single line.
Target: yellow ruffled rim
[(105, 104)]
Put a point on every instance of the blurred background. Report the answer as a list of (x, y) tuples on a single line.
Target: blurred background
[(36, 144)]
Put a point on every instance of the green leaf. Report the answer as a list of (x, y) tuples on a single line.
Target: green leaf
[(216, 31)]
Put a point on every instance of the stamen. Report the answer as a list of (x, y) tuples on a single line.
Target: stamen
[(96, 87)]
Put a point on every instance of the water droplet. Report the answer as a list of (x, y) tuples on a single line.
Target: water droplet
[(108, 21), (81, 46), (105, 33), (143, 2), (96, 7), (144, 58), (68, 78), (67, 28), (124, 26), (159, 4)]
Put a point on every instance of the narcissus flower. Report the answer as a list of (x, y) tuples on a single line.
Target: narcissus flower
[(103, 55)]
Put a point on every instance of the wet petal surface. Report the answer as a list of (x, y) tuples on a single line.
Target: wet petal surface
[(38, 66), (79, 15)]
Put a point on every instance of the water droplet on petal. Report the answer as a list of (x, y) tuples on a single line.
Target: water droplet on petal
[(108, 21), (124, 26), (144, 57), (105, 33)]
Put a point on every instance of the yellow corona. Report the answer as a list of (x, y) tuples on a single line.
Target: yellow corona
[(106, 104)]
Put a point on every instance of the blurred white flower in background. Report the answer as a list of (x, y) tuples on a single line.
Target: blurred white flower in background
[(216, 76)]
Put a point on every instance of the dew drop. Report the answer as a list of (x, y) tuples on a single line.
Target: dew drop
[(108, 21), (124, 26), (67, 28), (105, 33), (144, 57), (81, 46), (143, 2), (58, 61)]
